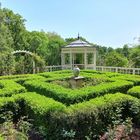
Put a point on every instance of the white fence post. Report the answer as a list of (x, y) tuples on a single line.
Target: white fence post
[(133, 71)]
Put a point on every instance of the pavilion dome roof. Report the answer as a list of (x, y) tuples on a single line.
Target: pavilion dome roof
[(78, 43)]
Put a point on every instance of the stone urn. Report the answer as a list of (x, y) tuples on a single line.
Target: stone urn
[(76, 71)]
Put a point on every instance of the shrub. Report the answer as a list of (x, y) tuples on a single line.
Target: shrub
[(38, 106), (132, 78), (55, 120), (134, 91), (9, 87), (69, 96), (91, 118), (14, 131), (14, 76)]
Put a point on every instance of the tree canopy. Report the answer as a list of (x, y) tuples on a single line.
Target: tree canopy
[(115, 59), (46, 47)]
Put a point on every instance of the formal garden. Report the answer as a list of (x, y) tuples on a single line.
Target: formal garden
[(50, 108), (41, 98)]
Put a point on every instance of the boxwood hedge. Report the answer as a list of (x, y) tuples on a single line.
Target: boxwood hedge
[(92, 117), (134, 91), (9, 87), (69, 96), (70, 114), (88, 118)]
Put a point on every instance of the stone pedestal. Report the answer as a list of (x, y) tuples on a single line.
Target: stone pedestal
[(76, 82)]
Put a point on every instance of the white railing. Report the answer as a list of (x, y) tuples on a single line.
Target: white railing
[(119, 70), (98, 68), (56, 68)]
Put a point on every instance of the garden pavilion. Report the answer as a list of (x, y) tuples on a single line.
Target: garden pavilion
[(78, 53)]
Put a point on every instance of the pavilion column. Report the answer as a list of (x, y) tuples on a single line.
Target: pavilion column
[(70, 59), (85, 59), (62, 59), (74, 59), (94, 60)]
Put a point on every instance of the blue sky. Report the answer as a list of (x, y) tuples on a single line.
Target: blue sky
[(105, 22)]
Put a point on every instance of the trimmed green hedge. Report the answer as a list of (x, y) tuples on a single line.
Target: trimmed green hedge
[(30, 77), (69, 96), (88, 118), (132, 78), (35, 106), (68, 74), (39, 103), (108, 74), (135, 91), (30, 104), (14, 76), (9, 87), (92, 117), (38, 107), (8, 104)]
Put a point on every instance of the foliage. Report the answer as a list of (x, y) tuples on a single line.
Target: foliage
[(26, 63), (14, 36), (91, 118), (11, 131), (69, 96), (134, 91), (101, 54), (66, 134), (38, 42), (133, 78), (120, 131), (9, 87), (6, 44), (15, 24), (53, 55), (47, 48), (85, 115), (120, 128), (7, 63), (39, 63), (115, 59), (125, 51), (135, 56)]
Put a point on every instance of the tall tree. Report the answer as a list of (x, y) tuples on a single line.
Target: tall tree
[(15, 24), (38, 43), (126, 51), (6, 40), (135, 56), (7, 63), (101, 54), (115, 59), (54, 48), (6, 43)]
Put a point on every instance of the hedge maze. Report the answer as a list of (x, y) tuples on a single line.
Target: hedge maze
[(60, 112)]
